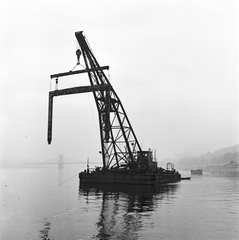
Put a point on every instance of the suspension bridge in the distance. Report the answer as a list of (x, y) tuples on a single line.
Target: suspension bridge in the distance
[(60, 160)]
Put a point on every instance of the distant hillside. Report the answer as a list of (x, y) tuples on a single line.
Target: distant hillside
[(220, 157), (226, 150)]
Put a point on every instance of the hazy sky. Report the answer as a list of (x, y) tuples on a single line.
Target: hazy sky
[(174, 65)]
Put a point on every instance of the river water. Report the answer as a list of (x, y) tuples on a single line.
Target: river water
[(46, 203)]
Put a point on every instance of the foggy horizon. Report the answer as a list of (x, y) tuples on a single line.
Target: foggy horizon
[(174, 66)]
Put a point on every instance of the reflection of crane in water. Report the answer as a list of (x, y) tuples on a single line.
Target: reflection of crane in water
[(123, 207)]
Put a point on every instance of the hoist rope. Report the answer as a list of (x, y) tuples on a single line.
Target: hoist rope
[(73, 68), (91, 108), (76, 66)]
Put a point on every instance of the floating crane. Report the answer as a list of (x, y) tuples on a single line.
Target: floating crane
[(120, 148)]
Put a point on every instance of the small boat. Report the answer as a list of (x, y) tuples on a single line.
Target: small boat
[(185, 178), (196, 171)]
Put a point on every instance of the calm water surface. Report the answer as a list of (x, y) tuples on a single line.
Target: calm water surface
[(38, 203)]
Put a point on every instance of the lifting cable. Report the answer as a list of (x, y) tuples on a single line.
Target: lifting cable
[(91, 107), (73, 68)]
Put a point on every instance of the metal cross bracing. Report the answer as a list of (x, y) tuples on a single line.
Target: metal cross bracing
[(118, 141)]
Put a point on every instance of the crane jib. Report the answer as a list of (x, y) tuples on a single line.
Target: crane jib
[(119, 145)]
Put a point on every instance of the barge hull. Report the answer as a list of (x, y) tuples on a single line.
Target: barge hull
[(128, 178)]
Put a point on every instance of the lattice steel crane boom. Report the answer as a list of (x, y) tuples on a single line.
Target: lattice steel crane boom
[(119, 144)]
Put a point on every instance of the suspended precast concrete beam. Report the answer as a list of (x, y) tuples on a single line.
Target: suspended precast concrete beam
[(68, 91)]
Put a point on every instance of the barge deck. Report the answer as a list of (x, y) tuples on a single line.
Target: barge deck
[(150, 178)]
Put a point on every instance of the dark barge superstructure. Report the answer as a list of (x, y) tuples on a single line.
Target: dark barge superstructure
[(144, 172), (124, 161)]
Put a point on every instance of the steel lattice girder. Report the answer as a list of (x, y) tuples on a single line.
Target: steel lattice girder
[(118, 141)]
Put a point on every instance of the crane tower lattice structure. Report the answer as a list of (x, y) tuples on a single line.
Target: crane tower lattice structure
[(119, 145)]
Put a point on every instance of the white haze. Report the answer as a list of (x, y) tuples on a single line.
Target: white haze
[(174, 65)]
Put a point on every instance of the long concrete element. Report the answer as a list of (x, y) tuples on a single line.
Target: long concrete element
[(68, 91)]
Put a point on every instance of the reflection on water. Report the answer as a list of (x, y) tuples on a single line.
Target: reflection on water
[(45, 231), (60, 175), (45, 204), (124, 207)]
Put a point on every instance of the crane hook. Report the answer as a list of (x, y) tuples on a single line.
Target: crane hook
[(56, 83), (78, 53)]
